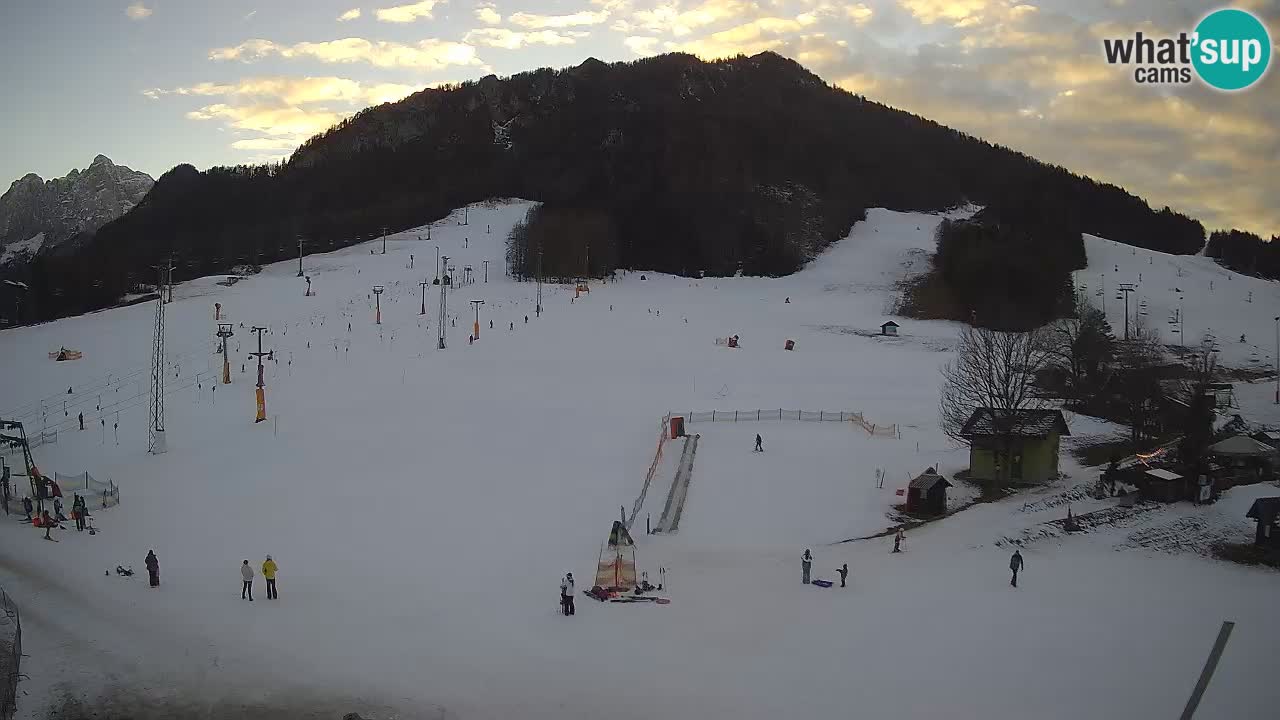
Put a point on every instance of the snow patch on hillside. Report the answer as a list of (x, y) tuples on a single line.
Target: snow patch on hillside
[(1237, 310), (27, 247)]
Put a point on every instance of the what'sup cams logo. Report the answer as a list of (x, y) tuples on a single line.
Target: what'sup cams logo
[(1229, 50)]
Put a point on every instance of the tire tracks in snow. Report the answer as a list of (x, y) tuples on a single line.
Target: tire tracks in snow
[(89, 651), (78, 643), (72, 642)]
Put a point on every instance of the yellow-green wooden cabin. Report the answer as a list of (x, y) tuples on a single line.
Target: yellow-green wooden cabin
[(1016, 447)]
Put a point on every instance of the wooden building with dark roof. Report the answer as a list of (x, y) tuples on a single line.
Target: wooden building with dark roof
[(1019, 447)]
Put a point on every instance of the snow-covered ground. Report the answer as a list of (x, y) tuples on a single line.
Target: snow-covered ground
[(30, 246), (1257, 401), (1209, 298), (814, 483), (422, 505)]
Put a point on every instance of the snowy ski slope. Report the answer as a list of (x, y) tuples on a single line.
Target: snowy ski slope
[(423, 504), (1210, 298)]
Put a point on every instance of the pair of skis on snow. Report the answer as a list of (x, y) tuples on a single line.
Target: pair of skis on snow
[(640, 598)]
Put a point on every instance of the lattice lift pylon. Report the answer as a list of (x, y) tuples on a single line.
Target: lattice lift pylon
[(155, 411)]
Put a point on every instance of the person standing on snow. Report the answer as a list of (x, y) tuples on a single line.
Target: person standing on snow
[(844, 573), (1015, 564), (153, 568), (566, 594), (759, 443), (897, 540), (246, 574), (47, 522), (269, 570), (81, 416), (26, 505), (806, 562)]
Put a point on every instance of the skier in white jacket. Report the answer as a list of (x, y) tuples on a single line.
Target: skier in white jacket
[(566, 594), (246, 574)]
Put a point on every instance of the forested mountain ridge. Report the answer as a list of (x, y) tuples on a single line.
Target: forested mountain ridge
[(750, 163)]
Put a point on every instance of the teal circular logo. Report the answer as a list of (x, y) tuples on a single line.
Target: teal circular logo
[(1231, 49)]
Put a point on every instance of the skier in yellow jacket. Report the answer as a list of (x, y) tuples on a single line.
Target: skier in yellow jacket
[(269, 570)]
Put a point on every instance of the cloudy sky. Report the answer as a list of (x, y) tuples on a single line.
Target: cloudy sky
[(158, 82)]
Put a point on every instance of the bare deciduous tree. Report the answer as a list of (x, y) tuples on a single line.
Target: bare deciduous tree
[(994, 370), (1138, 380)]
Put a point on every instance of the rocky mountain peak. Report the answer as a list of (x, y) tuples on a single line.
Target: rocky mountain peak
[(27, 181), (38, 215)]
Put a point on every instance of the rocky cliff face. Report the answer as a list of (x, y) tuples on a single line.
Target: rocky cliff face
[(38, 215)]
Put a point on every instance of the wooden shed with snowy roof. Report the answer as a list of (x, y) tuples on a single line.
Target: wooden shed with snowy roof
[(927, 494), (1018, 446), (1267, 512), (1163, 485)]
